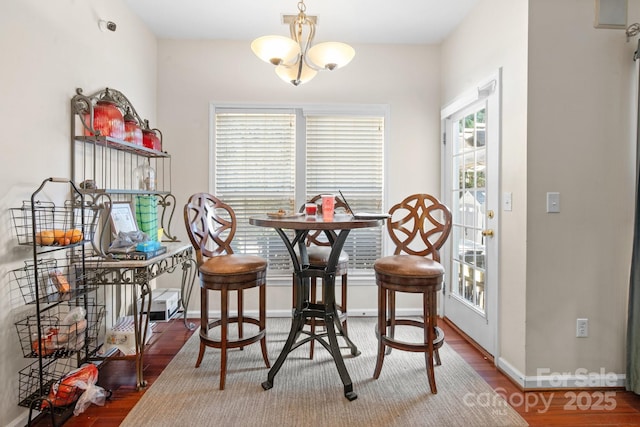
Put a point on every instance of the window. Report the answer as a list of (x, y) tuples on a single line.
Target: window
[(270, 159)]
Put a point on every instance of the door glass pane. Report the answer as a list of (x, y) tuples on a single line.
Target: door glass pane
[(458, 128), (458, 168), (469, 210)]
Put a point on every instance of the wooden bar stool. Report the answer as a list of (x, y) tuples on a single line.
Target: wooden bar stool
[(211, 225), (419, 226)]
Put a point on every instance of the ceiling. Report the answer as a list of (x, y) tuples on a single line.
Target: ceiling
[(349, 21)]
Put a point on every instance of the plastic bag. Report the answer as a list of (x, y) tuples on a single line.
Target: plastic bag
[(92, 394), (128, 239), (79, 382), (74, 315)]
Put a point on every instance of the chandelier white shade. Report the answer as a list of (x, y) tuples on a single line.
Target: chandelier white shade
[(296, 60), (293, 74), (275, 49), (331, 55)]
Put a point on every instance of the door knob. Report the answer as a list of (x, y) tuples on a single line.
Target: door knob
[(488, 232)]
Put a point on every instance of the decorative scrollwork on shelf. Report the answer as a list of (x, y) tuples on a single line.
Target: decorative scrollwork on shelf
[(632, 30), (167, 201), (83, 106)]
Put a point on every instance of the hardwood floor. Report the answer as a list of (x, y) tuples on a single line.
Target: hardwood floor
[(552, 408)]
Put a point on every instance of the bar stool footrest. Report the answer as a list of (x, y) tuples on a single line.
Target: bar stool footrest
[(407, 346), (231, 343)]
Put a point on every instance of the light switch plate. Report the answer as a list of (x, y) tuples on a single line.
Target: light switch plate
[(507, 200), (553, 202)]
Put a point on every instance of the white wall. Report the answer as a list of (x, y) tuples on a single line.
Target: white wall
[(49, 49), (581, 142), (192, 74), (494, 36)]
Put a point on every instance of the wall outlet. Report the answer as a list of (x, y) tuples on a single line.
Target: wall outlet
[(582, 328)]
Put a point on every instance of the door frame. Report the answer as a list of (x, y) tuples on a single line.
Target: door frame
[(488, 89)]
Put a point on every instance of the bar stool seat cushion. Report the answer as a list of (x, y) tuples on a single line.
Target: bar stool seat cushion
[(319, 256), (228, 265), (408, 266)]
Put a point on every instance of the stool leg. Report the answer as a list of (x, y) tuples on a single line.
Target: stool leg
[(392, 317), (263, 324), (240, 314), (224, 326), (429, 336), (382, 329), (204, 321), (312, 321)]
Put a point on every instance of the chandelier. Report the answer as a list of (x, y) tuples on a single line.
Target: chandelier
[(296, 60)]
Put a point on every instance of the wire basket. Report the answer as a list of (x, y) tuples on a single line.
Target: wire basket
[(55, 226), (49, 280), (64, 330), (31, 390)]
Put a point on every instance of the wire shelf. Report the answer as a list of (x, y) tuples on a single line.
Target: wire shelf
[(55, 226), (32, 390), (56, 280), (65, 330)]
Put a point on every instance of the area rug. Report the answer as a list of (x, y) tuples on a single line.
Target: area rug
[(309, 392)]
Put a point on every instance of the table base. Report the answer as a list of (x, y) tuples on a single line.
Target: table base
[(333, 330)]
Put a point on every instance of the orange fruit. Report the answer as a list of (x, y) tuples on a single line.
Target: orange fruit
[(45, 238), (73, 235), (58, 236)]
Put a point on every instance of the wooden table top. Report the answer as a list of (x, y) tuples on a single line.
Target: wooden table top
[(302, 222)]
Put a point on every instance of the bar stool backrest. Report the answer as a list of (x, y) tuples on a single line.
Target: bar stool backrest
[(211, 225), (419, 225)]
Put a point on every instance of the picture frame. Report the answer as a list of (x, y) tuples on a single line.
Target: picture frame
[(122, 218)]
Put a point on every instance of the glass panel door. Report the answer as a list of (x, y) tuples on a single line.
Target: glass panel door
[(471, 178)]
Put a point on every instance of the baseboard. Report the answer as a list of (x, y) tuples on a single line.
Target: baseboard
[(511, 372), (468, 339), (20, 420), (548, 380)]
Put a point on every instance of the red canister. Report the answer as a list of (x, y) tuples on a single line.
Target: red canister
[(150, 138), (107, 118), (132, 132)]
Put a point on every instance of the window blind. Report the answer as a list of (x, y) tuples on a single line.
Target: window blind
[(346, 153), (254, 162), (255, 173)]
